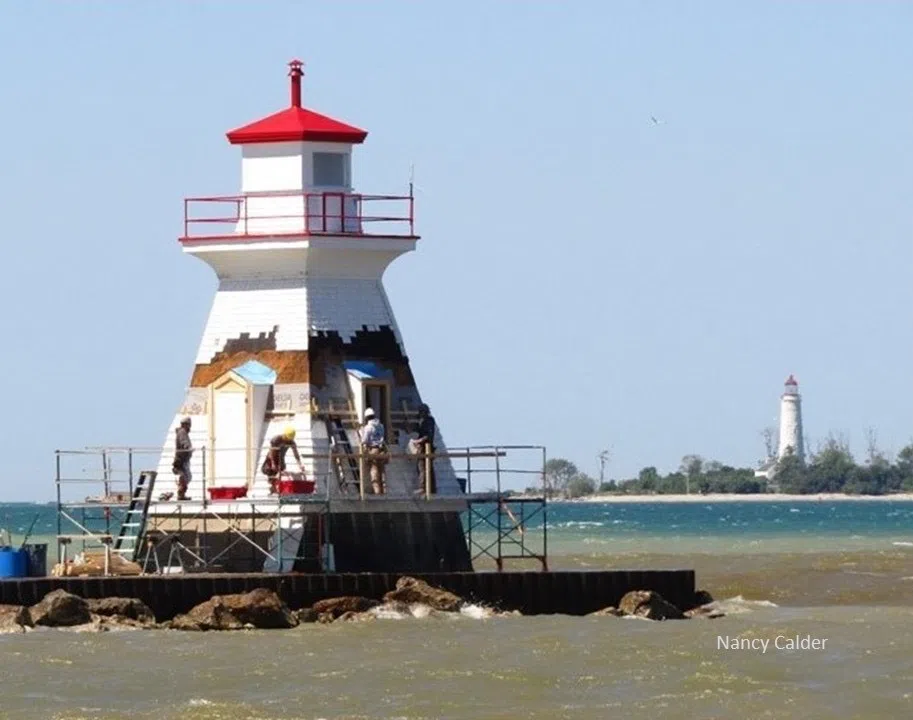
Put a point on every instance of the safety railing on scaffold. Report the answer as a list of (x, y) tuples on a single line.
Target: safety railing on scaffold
[(508, 521), (497, 519)]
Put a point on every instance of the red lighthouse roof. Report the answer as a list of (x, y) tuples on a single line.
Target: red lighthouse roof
[(296, 123)]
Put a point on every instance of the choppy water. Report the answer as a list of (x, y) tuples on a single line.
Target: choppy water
[(839, 572)]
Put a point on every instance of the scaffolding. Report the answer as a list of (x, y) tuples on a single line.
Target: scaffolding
[(499, 521), (291, 532)]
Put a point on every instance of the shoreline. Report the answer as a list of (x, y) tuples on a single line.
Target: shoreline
[(730, 497)]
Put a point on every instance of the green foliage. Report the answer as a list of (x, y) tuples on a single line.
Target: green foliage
[(696, 476), (558, 474), (831, 469), (580, 485)]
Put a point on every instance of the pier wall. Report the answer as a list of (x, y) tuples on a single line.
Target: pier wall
[(532, 593)]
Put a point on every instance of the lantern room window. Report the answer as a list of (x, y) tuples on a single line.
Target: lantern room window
[(331, 169)]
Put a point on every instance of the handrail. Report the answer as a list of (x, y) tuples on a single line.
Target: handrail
[(334, 213)]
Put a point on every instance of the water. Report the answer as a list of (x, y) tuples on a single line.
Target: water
[(841, 572)]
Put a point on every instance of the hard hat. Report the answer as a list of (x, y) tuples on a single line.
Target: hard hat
[(369, 413), (289, 433)]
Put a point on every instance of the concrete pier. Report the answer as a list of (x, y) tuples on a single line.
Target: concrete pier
[(532, 593)]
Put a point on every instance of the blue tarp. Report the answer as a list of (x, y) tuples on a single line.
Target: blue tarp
[(366, 370), (256, 373)]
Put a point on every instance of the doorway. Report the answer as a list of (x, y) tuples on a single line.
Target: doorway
[(229, 434), (377, 397)]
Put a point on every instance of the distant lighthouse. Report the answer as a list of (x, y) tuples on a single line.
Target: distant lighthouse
[(791, 421)]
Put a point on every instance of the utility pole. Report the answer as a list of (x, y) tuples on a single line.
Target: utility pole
[(603, 459)]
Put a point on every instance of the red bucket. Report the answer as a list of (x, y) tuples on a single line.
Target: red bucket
[(295, 484), (227, 493)]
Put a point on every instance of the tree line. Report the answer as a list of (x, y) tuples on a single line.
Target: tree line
[(832, 469)]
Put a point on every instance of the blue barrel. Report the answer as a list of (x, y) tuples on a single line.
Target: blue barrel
[(38, 559), (13, 563)]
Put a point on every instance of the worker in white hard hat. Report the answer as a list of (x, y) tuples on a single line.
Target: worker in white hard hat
[(274, 464), (183, 451), (374, 446)]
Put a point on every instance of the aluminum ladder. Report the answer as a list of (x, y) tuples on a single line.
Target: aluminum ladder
[(344, 462), (131, 530)]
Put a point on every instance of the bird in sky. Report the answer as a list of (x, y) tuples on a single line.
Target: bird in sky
[(655, 121)]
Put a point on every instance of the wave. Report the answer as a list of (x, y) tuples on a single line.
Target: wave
[(902, 543), (738, 605), (420, 611)]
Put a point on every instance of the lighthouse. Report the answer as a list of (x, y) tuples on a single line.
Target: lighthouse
[(301, 334), (791, 439)]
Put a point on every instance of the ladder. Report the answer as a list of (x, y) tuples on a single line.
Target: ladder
[(344, 461), (131, 530)]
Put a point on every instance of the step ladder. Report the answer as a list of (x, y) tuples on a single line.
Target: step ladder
[(173, 563), (345, 464), (131, 530)]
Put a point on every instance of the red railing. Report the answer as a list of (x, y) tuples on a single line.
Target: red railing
[(294, 213)]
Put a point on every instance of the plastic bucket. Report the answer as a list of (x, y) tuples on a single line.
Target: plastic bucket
[(13, 563), (296, 487), (38, 559), (227, 492)]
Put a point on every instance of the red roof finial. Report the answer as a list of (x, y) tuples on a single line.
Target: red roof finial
[(295, 72)]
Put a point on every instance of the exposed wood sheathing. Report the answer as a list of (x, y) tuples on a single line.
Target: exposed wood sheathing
[(291, 366)]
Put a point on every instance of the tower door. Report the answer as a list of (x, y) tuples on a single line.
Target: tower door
[(230, 451), (377, 397)]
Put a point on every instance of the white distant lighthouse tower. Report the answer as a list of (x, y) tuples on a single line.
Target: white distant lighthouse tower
[(791, 436), (301, 332)]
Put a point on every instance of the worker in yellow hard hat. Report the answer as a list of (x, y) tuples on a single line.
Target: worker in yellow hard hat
[(274, 464)]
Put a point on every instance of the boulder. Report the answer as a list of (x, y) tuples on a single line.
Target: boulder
[(122, 609), (650, 605), (96, 624), (60, 609), (341, 605), (609, 611), (307, 615), (14, 619), (705, 612), (354, 616), (411, 590), (260, 608), (189, 624), (701, 597)]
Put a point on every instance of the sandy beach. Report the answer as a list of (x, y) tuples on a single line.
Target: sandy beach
[(719, 497)]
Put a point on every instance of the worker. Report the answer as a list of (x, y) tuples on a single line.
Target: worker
[(425, 445), (274, 464), (375, 450), (183, 451)]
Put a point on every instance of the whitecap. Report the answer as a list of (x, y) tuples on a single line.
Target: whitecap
[(738, 605), (385, 612), (795, 510), (902, 543), (477, 612)]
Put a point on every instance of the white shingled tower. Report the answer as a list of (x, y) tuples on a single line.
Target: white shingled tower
[(791, 437), (301, 332)]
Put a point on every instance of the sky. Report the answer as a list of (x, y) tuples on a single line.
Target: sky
[(587, 278)]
